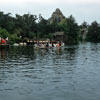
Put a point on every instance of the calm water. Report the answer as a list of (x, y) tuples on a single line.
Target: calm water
[(71, 73)]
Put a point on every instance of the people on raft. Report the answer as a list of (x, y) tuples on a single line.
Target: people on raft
[(48, 44)]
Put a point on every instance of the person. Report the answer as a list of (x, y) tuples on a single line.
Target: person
[(6, 40), (55, 45), (3, 41), (50, 45), (35, 45), (0, 40), (42, 45), (58, 45), (47, 45), (62, 44), (38, 43)]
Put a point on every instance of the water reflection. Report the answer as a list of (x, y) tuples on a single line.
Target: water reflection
[(3, 53), (69, 73)]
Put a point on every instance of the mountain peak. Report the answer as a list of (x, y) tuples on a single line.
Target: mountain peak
[(57, 16), (58, 11)]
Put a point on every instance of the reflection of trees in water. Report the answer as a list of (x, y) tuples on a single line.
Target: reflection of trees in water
[(66, 58), (95, 47), (14, 59), (71, 60), (51, 61), (71, 53), (21, 52), (3, 57), (43, 52), (65, 64), (31, 53), (4, 53), (95, 51)]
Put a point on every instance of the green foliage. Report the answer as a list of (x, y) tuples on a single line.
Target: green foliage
[(27, 24), (84, 25), (94, 32), (4, 33), (14, 39), (42, 27), (71, 29), (7, 22), (26, 27)]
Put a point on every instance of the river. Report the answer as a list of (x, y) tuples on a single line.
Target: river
[(69, 73)]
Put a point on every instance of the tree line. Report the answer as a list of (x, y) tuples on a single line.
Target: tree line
[(27, 27)]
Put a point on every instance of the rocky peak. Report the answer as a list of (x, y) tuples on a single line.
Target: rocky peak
[(56, 17), (57, 11)]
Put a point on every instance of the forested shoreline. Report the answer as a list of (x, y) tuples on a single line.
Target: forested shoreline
[(27, 27)]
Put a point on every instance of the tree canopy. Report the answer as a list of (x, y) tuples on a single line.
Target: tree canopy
[(31, 26)]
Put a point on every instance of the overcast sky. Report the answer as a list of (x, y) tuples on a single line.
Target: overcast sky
[(82, 10)]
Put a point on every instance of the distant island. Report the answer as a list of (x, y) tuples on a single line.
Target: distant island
[(58, 27)]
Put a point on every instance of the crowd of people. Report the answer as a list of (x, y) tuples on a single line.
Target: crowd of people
[(48, 44)]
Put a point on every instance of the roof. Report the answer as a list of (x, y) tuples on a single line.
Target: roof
[(59, 33)]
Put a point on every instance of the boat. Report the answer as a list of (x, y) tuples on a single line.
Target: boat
[(53, 44)]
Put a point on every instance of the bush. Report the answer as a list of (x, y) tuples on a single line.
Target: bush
[(4, 33)]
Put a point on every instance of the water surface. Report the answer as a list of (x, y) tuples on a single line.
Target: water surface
[(70, 73)]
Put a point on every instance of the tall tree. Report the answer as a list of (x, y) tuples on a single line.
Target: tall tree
[(71, 29), (7, 21), (42, 26), (94, 32), (27, 23)]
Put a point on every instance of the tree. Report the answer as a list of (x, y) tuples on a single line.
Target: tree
[(3, 33), (7, 22), (94, 32), (27, 23), (42, 27), (71, 29), (84, 25)]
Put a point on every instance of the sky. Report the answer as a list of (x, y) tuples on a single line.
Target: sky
[(82, 10)]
